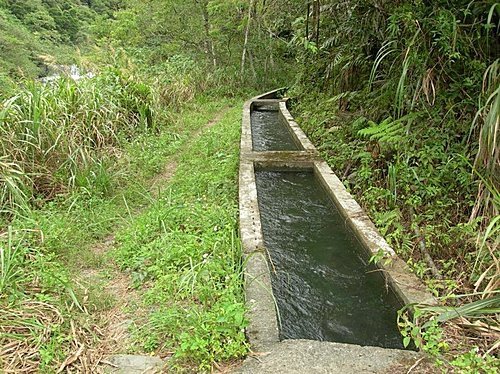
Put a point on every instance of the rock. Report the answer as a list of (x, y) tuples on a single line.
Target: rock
[(132, 364)]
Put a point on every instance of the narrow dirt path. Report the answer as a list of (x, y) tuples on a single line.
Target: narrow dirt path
[(111, 324), (171, 166)]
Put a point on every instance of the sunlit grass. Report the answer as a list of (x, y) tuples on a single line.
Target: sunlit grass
[(48, 246), (185, 249)]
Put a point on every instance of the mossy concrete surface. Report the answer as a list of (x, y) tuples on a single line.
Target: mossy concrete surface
[(307, 356), (304, 356)]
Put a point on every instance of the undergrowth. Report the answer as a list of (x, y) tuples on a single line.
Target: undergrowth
[(184, 247), (47, 314)]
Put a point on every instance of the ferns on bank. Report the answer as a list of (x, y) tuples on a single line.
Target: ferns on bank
[(415, 126), (388, 130)]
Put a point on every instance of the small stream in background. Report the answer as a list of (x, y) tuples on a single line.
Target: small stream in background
[(71, 71)]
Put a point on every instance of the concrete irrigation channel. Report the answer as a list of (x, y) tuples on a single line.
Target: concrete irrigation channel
[(315, 302)]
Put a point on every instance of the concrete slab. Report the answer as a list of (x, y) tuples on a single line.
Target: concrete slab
[(135, 364), (306, 356)]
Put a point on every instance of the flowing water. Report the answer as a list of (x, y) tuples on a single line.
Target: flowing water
[(71, 71), (324, 288), (269, 133)]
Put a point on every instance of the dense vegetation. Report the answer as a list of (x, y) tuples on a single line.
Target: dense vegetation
[(402, 98)]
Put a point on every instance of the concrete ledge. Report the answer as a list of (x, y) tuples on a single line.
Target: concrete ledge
[(273, 94), (262, 331), (299, 356), (266, 102), (299, 134), (306, 356)]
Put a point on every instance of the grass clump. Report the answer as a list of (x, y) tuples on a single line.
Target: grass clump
[(58, 136), (184, 247), (33, 285)]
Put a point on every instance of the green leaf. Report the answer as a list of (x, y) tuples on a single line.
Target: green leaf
[(406, 341)]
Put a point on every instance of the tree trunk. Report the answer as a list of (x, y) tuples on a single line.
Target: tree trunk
[(209, 44), (316, 15), (252, 66), (307, 20), (247, 32), (318, 21)]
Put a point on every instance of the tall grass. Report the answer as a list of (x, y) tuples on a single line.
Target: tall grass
[(53, 135), (488, 156)]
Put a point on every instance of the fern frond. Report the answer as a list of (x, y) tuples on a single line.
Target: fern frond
[(387, 131)]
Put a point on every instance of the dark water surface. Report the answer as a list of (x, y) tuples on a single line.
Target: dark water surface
[(269, 133), (324, 288)]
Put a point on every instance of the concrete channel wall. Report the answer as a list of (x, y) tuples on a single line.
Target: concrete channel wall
[(262, 332)]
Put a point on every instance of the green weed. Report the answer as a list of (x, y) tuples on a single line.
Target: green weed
[(185, 248), (43, 255)]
